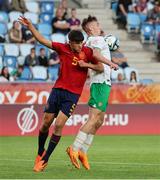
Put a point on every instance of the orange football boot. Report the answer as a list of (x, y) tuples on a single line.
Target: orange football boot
[(73, 155), (84, 159), (40, 166), (39, 158)]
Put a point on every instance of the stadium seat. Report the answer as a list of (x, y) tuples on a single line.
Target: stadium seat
[(57, 37), (39, 73), (39, 46), (21, 60), (3, 29), (114, 74), (32, 6), (10, 62), (25, 49), (26, 74), (127, 72), (143, 17), (53, 73), (32, 16), (45, 28), (14, 15), (4, 17), (114, 6), (1, 50), (133, 22), (47, 7), (46, 18), (11, 49), (1, 63), (147, 33), (146, 81)]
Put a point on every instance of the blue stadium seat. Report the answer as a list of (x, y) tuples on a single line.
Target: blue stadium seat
[(1, 63), (46, 18), (114, 6), (32, 16), (3, 29), (11, 49), (146, 81), (32, 6), (4, 17), (10, 61), (53, 72), (147, 33), (14, 15), (143, 17), (47, 7), (45, 28), (1, 50), (133, 22), (26, 74), (39, 73)]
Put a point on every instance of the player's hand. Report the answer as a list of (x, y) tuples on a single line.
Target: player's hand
[(82, 63), (24, 21), (114, 66)]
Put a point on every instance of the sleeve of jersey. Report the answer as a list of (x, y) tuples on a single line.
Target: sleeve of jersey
[(95, 42), (57, 47), (90, 57)]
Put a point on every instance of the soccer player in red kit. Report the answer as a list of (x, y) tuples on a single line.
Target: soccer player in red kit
[(67, 89)]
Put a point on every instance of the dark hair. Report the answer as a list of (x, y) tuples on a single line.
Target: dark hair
[(42, 49), (33, 48), (3, 74), (73, 9), (88, 20), (76, 36)]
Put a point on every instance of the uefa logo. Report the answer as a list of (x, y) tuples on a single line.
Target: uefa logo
[(27, 120)]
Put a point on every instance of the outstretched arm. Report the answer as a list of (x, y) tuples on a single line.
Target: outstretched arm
[(24, 21), (97, 67), (100, 58)]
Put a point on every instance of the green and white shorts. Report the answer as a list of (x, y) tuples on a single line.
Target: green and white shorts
[(99, 95)]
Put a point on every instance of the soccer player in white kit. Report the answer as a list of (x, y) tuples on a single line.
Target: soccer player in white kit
[(99, 94)]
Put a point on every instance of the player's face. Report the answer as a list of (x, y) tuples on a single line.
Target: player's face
[(76, 46), (93, 28)]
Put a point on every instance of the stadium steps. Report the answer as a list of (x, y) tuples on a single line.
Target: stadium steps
[(138, 57)]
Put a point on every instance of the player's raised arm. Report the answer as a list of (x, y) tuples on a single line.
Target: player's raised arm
[(24, 21), (99, 57)]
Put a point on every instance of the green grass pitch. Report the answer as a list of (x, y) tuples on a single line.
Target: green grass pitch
[(111, 157)]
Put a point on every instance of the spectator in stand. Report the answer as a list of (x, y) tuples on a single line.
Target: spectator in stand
[(18, 5), (120, 78), (141, 7), (133, 77), (54, 59), (31, 59), (124, 6), (4, 77), (60, 25), (15, 74), (15, 33), (5, 5), (119, 58), (27, 36), (42, 58), (74, 22), (64, 6), (154, 14)]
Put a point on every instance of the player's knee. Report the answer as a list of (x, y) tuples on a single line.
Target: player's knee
[(58, 126), (98, 123)]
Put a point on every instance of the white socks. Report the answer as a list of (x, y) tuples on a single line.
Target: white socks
[(87, 143), (83, 141)]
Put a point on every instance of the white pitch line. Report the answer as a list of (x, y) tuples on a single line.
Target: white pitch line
[(94, 162)]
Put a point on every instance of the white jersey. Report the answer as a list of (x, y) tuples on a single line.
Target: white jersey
[(99, 43)]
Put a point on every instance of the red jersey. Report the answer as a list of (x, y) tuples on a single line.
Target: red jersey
[(71, 76)]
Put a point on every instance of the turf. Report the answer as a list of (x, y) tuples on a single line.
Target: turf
[(111, 157)]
